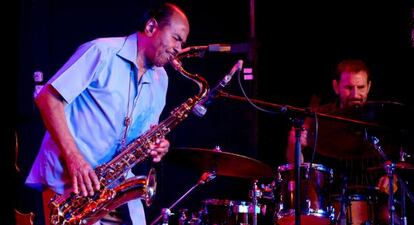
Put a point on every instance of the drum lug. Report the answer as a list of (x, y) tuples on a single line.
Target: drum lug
[(332, 214), (307, 172), (308, 204), (331, 177), (279, 178)]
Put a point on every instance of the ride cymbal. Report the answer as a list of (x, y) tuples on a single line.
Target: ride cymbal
[(222, 163)]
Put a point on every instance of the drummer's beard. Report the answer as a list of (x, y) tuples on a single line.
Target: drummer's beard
[(354, 103)]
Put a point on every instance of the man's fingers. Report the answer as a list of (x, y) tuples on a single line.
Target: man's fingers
[(81, 185), (95, 180), (75, 185)]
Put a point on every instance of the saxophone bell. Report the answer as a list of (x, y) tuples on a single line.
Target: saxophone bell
[(151, 186)]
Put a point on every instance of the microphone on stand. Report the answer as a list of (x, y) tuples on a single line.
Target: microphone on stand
[(200, 109), (199, 50)]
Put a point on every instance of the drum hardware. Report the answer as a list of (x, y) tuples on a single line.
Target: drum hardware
[(187, 217), (255, 194), (404, 155), (232, 212), (344, 202), (390, 169), (166, 212)]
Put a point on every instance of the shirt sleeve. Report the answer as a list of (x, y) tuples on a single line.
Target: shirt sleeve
[(78, 72)]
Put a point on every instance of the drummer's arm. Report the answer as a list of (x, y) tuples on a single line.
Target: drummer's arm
[(384, 184)]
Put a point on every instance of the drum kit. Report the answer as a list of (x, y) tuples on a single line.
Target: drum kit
[(318, 204)]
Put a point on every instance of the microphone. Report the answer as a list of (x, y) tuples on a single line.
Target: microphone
[(200, 109), (219, 48), (209, 48), (198, 51)]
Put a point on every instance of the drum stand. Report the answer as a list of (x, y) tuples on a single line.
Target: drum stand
[(166, 212), (344, 203), (390, 169), (255, 193)]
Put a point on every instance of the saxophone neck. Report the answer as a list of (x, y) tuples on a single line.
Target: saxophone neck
[(201, 82)]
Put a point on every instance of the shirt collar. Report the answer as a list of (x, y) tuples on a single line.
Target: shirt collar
[(129, 51)]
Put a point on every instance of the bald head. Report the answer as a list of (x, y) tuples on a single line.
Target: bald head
[(163, 15)]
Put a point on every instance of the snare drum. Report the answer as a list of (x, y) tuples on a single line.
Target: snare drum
[(229, 212), (316, 181)]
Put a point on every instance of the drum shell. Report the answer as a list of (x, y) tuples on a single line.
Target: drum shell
[(315, 182), (366, 205)]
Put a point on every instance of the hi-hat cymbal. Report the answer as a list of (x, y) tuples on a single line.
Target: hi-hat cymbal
[(399, 166), (222, 163)]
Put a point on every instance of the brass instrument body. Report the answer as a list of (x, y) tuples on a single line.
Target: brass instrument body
[(115, 190)]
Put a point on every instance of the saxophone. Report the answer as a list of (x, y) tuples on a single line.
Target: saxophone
[(115, 190)]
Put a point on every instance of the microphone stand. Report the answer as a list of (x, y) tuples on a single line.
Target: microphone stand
[(298, 124), (166, 212)]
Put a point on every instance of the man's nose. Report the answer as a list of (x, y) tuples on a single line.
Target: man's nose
[(177, 48), (354, 92)]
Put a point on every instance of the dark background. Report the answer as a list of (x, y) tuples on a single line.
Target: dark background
[(293, 53)]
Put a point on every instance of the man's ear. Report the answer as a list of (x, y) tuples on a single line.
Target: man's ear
[(151, 26)]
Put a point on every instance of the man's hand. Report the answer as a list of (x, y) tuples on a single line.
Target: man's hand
[(159, 149), (384, 184), (84, 179)]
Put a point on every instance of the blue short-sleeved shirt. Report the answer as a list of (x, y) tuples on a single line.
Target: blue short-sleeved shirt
[(100, 86)]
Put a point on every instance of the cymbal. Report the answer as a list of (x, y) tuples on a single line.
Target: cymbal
[(347, 140), (223, 163), (340, 140), (399, 166), (390, 114)]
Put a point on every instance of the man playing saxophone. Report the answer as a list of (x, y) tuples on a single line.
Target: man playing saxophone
[(109, 92)]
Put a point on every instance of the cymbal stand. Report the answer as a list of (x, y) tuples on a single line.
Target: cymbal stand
[(404, 192), (166, 212), (391, 206), (342, 218), (403, 209), (390, 169)]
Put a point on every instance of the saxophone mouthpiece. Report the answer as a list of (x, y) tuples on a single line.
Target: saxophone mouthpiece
[(176, 64)]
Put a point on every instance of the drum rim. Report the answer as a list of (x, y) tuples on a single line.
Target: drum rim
[(316, 166), (351, 197), (310, 212), (225, 202)]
